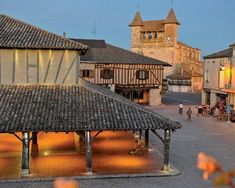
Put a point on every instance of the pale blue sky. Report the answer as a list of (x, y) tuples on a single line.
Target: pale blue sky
[(205, 24)]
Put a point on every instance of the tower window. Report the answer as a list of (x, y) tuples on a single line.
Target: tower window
[(150, 35), (155, 35)]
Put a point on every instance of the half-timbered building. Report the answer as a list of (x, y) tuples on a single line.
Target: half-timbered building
[(137, 77), (41, 93)]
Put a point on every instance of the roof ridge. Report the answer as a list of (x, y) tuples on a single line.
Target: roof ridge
[(43, 30), (142, 56), (220, 51)]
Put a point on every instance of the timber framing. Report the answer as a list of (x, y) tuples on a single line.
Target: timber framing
[(125, 75)]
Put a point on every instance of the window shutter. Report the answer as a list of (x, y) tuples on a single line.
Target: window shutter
[(111, 73), (101, 73), (91, 74), (146, 74), (137, 74)]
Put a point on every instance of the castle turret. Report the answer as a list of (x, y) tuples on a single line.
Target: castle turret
[(171, 28), (136, 25)]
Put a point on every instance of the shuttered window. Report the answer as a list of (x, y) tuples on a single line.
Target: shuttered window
[(86, 73), (142, 74), (106, 73)]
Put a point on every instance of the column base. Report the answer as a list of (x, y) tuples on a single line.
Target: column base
[(25, 172), (166, 168), (89, 171)]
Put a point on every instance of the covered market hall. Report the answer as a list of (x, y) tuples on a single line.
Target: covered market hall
[(81, 109)]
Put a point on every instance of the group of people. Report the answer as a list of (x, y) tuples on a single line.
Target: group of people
[(189, 111)]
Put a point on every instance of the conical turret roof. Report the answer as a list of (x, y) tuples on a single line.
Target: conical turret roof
[(171, 18), (137, 21)]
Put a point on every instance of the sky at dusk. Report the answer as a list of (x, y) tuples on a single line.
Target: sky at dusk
[(205, 24)]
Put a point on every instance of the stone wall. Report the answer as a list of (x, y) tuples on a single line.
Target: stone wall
[(155, 97)]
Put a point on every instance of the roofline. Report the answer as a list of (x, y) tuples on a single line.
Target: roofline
[(213, 56), (83, 47)]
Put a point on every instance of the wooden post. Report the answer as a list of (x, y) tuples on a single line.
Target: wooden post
[(140, 136), (25, 154), (167, 135), (146, 136), (88, 153), (35, 138), (77, 68)]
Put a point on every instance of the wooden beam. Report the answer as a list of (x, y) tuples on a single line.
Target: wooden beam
[(38, 61), (77, 68), (48, 66), (35, 137), (156, 133), (25, 154), (27, 66), (88, 153), (14, 66), (167, 135), (70, 68), (146, 138), (59, 67)]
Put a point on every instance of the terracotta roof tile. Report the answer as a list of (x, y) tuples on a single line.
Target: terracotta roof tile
[(224, 53), (100, 52), (52, 108), (17, 34), (171, 18), (137, 21)]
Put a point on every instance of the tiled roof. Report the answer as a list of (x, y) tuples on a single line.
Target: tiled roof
[(171, 18), (17, 34), (224, 53), (152, 25), (137, 21), (51, 108), (109, 54)]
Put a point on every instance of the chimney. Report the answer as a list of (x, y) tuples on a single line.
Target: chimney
[(64, 35)]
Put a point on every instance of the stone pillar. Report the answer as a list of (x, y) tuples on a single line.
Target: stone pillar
[(88, 153), (167, 135), (155, 97), (112, 87), (25, 155)]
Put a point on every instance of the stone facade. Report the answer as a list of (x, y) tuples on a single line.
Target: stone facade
[(159, 39), (219, 82)]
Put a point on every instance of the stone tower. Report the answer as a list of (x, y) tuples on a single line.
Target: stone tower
[(159, 39), (136, 26)]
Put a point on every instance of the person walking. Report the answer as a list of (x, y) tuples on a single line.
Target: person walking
[(181, 109), (189, 113)]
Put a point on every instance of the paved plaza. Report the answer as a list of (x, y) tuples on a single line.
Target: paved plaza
[(201, 134)]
